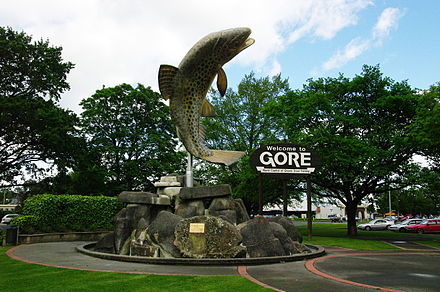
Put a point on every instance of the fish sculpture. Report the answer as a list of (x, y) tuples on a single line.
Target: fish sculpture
[(186, 88)]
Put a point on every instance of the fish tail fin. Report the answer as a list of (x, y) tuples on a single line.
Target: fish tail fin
[(224, 157)]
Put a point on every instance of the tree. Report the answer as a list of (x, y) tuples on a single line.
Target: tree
[(426, 128), (32, 126), (420, 198), (130, 131), (360, 129), (242, 124)]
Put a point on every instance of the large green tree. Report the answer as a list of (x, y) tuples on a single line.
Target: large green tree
[(130, 131), (360, 128), (425, 131), (32, 126), (243, 123)]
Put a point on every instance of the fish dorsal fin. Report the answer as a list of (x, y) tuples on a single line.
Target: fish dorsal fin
[(207, 109), (166, 78), (202, 133), (222, 81)]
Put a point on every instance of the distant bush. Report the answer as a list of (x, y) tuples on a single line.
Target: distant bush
[(65, 213), (3, 213), (28, 224), (2, 236)]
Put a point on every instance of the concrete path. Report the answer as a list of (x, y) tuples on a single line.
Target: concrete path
[(407, 269)]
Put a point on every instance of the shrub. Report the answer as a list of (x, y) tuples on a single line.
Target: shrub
[(28, 224), (62, 213), (2, 236)]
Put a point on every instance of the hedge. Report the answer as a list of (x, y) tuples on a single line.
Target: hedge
[(65, 213)]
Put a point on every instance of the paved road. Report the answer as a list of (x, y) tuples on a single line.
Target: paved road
[(412, 268)]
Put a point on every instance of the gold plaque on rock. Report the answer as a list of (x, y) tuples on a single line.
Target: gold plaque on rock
[(197, 228)]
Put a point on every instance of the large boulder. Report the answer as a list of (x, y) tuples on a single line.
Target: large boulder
[(208, 237), (242, 214), (259, 238), (161, 233), (186, 209), (106, 243), (224, 207), (290, 228), (134, 216), (230, 209)]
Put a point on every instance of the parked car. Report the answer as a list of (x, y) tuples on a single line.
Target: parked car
[(8, 217), (426, 226), (401, 226), (335, 218), (376, 224)]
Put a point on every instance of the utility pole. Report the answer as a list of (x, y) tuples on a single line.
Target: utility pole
[(389, 202)]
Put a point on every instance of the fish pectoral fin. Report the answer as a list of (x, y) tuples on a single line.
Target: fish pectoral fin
[(166, 80), (207, 109), (222, 81), (224, 157)]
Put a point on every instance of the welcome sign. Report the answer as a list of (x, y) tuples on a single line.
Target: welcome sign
[(284, 160)]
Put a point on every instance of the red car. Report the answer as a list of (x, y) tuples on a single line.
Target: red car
[(426, 226)]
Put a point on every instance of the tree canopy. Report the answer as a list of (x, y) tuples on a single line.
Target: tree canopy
[(32, 126), (360, 127), (130, 131), (243, 123)]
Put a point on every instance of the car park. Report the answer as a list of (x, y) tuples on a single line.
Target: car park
[(376, 224), (426, 226), (8, 217), (401, 226)]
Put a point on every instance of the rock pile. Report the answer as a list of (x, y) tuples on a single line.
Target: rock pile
[(196, 222)]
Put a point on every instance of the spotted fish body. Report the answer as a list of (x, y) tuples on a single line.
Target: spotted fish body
[(186, 88)]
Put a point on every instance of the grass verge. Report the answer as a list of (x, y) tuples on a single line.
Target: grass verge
[(334, 234), (20, 276)]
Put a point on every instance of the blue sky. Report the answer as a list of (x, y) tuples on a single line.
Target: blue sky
[(410, 51), (117, 41)]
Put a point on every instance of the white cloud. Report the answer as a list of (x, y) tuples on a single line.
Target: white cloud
[(352, 50), (387, 21), (125, 41)]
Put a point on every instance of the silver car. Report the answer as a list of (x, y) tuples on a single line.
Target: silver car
[(7, 218), (401, 226), (376, 224)]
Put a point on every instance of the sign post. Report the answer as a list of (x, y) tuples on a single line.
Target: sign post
[(285, 161)]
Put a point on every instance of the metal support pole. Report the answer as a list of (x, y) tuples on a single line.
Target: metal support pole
[(260, 194), (309, 209), (285, 197), (189, 172)]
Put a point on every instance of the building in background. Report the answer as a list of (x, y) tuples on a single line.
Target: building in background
[(319, 210)]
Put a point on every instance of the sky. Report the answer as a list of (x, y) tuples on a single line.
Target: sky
[(114, 41)]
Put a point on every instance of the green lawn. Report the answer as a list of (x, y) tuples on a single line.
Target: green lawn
[(334, 234), (20, 276)]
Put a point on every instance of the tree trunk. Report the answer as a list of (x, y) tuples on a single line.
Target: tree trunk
[(351, 208)]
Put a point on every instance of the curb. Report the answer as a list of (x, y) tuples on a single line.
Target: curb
[(310, 266), (317, 252)]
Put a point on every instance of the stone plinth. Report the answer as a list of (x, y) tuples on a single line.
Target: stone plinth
[(196, 193), (144, 198)]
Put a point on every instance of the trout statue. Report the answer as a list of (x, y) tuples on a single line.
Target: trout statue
[(186, 88)]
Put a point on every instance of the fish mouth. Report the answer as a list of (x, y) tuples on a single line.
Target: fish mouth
[(249, 42)]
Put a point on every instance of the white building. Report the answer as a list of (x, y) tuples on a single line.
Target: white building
[(319, 211)]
